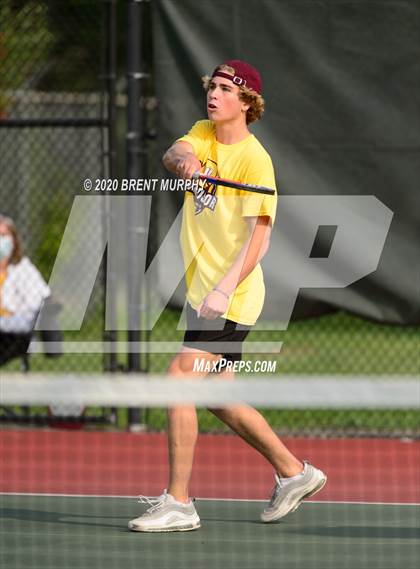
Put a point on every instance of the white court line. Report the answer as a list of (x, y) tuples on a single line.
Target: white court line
[(207, 499)]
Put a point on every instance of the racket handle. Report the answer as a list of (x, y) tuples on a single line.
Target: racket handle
[(232, 184)]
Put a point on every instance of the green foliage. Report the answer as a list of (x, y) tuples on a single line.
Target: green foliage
[(315, 422), (78, 33), (55, 216), (338, 344), (51, 45), (25, 45)]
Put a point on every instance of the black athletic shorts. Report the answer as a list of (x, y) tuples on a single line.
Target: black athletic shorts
[(214, 336)]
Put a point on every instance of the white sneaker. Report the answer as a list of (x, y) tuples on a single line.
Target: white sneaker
[(286, 498), (166, 514)]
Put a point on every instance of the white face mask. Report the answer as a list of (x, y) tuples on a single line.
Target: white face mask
[(6, 246)]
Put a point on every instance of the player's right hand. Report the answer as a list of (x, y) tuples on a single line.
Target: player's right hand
[(187, 166)]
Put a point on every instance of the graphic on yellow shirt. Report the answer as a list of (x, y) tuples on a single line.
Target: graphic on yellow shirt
[(204, 195), (214, 227)]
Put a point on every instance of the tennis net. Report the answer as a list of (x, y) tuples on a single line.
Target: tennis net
[(386, 406), (70, 493)]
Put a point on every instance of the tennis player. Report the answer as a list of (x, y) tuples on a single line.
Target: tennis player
[(225, 233)]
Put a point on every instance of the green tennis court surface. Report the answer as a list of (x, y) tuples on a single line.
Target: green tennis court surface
[(53, 532)]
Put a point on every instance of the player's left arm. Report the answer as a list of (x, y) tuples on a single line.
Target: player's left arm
[(251, 253)]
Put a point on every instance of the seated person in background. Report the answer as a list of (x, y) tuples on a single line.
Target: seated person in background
[(22, 293)]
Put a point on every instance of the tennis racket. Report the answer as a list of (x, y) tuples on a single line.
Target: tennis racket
[(234, 184)]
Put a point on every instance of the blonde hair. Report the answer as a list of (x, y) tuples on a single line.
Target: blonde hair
[(17, 252), (254, 100)]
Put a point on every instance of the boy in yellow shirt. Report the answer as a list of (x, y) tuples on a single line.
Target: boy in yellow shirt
[(225, 233)]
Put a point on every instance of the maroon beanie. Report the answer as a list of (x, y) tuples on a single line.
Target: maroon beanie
[(245, 75)]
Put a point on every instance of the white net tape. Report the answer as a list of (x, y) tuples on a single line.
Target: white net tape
[(121, 390)]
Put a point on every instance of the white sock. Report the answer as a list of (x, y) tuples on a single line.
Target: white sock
[(286, 481)]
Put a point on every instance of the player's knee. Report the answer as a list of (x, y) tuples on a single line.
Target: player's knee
[(183, 363), (222, 413)]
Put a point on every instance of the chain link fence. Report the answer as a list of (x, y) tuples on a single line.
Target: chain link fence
[(54, 133)]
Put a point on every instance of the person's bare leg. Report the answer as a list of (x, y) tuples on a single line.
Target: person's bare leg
[(250, 425), (183, 427)]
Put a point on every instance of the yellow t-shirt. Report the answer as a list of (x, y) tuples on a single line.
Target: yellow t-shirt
[(213, 227)]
